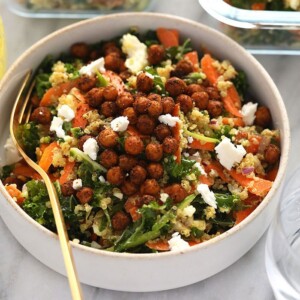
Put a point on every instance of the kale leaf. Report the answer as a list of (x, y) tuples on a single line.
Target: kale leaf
[(176, 53), (240, 83)]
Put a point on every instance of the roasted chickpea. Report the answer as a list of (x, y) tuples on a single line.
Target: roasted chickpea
[(138, 175), (193, 88), (41, 115), (124, 100), (82, 140), (156, 54), (176, 192), (161, 131), (146, 199), (213, 93), (95, 97), (124, 75), (175, 86), (110, 93), (86, 83), (113, 62), (150, 187), (85, 195), (168, 105), (263, 117), (127, 162), (130, 113), (214, 108), (186, 103), (67, 188), (170, 145), (154, 152), (115, 176), (109, 109), (141, 104), (200, 99), (145, 124), (272, 154), (155, 109), (144, 83), (120, 221), (109, 158), (80, 50), (111, 47), (182, 68), (107, 138), (134, 145), (128, 188), (154, 97), (155, 170)]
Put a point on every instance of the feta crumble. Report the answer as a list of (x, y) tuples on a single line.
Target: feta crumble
[(189, 211), (56, 125), (91, 148), (12, 154), (190, 139), (168, 120), (117, 193), (229, 154), (163, 197), (66, 112), (248, 112), (119, 124), (90, 69), (137, 57), (102, 179), (77, 184), (207, 195), (177, 243)]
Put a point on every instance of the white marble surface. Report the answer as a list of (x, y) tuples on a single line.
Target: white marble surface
[(23, 277)]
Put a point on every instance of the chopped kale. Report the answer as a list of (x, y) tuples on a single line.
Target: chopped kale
[(240, 83), (177, 53)]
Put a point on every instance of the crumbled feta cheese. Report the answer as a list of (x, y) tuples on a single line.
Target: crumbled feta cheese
[(66, 113), (177, 243), (117, 193), (228, 153), (207, 195), (190, 139), (163, 197), (91, 148), (56, 125), (137, 57), (12, 154), (248, 112), (96, 65), (200, 168), (119, 124), (189, 211), (185, 154), (77, 184), (76, 241), (102, 179), (149, 75), (168, 120)]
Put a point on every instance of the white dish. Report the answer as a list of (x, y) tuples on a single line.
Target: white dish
[(145, 272)]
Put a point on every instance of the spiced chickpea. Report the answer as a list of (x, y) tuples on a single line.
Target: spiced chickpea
[(109, 158), (124, 100), (120, 221), (127, 162), (144, 83), (150, 187), (176, 192), (154, 152), (41, 115), (182, 68), (214, 108), (107, 138), (80, 50), (113, 62), (263, 117), (124, 75), (145, 124), (82, 140), (175, 86), (168, 105), (115, 176), (154, 97), (110, 93), (155, 109), (186, 103), (141, 104), (130, 113), (161, 131), (128, 188), (213, 93), (138, 175), (272, 154), (35, 100), (146, 199), (200, 99), (111, 47), (109, 109), (95, 97), (155, 170), (156, 54), (193, 88), (85, 195), (133, 145), (170, 145), (86, 83)]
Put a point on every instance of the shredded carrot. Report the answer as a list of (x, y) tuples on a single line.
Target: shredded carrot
[(47, 156), (15, 193), (243, 214), (208, 68), (159, 245), (206, 180), (78, 95), (254, 141), (235, 122), (271, 175), (79, 120), (67, 172), (26, 171), (168, 37), (198, 145), (258, 6), (216, 166), (115, 80), (193, 58)]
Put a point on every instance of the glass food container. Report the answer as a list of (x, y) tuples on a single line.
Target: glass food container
[(75, 8), (259, 31)]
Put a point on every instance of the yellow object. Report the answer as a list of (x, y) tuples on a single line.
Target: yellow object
[(2, 50)]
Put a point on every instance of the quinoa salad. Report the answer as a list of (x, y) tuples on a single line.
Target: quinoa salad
[(151, 144)]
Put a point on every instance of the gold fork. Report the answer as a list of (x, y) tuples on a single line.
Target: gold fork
[(20, 115)]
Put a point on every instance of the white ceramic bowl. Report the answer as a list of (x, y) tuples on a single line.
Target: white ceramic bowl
[(145, 272)]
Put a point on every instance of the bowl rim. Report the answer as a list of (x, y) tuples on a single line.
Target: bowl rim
[(232, 231)]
